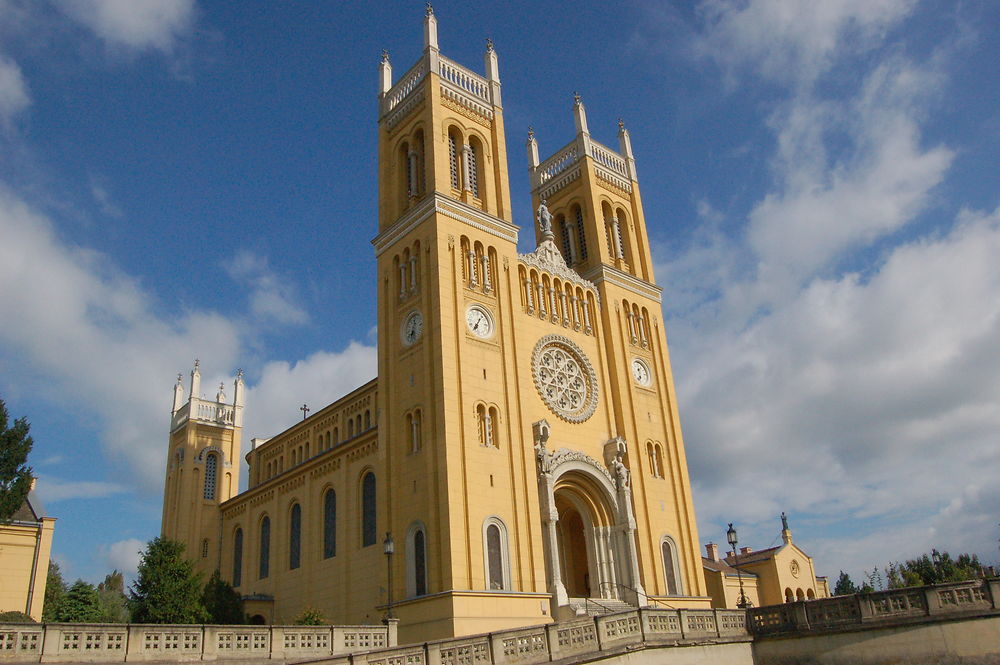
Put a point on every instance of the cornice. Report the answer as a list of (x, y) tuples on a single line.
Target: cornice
[(611, 275), (439, 203)]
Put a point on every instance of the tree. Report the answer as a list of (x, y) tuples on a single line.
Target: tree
[(14, 616), (113, 603), (81, 604), (845, 585), (15, 475), (167, 589), (55, 591), (935, 568), (310, 616), (222, 602)]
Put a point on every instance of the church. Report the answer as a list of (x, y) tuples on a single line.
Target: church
[(519, 457)]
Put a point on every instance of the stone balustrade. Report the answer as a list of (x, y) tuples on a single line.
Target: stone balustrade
[(115, 643), (896, 605)]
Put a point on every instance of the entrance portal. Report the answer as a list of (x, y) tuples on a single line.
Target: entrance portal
[(585, 538)]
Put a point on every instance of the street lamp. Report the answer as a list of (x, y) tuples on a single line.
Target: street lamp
[(731, 538), (389, 547)]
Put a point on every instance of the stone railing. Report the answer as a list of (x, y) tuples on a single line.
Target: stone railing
[(111, 643), (623, 631), (464, 79), (896, 605), (208, 411)]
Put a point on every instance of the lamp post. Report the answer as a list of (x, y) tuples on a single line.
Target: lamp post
[(731, 538), (389, 547)]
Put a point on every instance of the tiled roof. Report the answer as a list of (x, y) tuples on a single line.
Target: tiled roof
[(724, 568)]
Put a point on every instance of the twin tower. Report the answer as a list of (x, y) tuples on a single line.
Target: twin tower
[(520, 450)]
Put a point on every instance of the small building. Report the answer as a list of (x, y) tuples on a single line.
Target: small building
[(771, 576), (25, 544)]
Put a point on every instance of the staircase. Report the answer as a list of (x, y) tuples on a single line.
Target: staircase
[(598, 606)]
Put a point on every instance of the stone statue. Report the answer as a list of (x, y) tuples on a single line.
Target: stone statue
[(784, 521), (545, 221), (621, 472)]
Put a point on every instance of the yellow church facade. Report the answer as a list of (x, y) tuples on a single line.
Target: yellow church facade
[(519, 453)]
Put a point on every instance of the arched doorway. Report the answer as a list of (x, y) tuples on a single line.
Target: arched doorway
[(587, 548)]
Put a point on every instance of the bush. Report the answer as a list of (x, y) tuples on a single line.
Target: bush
[(15, 617), (310, 616)]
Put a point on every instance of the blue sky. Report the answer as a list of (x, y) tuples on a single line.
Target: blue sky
[(184, 179)]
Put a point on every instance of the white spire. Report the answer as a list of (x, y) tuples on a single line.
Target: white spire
[(625, 147), (579, 115), (385, 72), (492, 68), (430, 29), (195, 381), (532, 150), (178, 394), (239, 389)]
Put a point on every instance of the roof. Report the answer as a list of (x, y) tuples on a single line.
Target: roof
[(724, 568), (758, 556), (30, 509)]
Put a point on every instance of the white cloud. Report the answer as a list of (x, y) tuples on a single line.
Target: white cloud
[(272, 298), (89, 337), (14, 97), (792, 40), (134, 24), (123, 556), (53, 490)]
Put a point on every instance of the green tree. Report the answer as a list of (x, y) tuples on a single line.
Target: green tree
[(167, 589), (310, 616), (15, 475), (113, 603), (81, 604), (14, 616), (845, 585), (222, 602), (55, 591)]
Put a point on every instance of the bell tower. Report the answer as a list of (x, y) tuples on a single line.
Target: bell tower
[(597, 220), (202, 467)]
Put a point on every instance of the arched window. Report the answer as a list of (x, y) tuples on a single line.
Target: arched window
[(810, 594), (204, 548), (658, 460), (416, 561), (368, 510), (265, 548), (671, 573), (358, 424), (495, 555), (237, 557), (799, 594), (350, 427), (295, 537), (211, 474), (329, 524), (789, 596), (368, 420)]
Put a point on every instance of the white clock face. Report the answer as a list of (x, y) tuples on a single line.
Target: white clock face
[(640, 372), (479, 321), (413, 326)]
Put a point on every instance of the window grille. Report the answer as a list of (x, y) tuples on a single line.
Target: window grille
[(368, 510), (265, 548), (329, 524), (238, 557), (211, 472), (295, 538), (474, 170), (453, 160), (581, 241), (567, 247)]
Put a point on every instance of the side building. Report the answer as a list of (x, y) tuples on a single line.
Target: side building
[(519, 452), (25, 546), (771, 576)]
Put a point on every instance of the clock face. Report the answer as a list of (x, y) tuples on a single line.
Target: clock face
[(479, 321), (641, 373), (413, 326)]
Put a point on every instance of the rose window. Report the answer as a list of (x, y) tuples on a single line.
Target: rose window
[(564, 378)]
